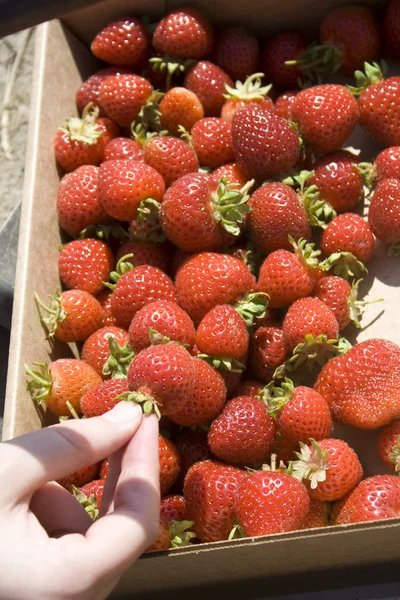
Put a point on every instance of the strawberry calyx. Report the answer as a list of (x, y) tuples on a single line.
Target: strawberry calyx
[(250, 256), (148, 124), (318, 211), (56, 313), (118, 361), (272, 466), (223, 363), (252, 306), (275, 397), (185, 135), (84, 129), (41, 383), (373, 73), (306, 253), (344, 264), (356, 306), (368, 173), (104, 231), (251, 89), (171, 65), (318, 59), (394, 456), (236, 532), (147, 223), (230, 204), (157, 338), (123, 266), (394, 250), (143, 397), (181, 534), (89, 503), (312, 464)]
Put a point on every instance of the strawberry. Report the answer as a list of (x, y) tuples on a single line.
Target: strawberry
[(184, 33), (82, 141), (236, 51), (78, 203), (135, 289), (94, 494), (222, 332), (249, 387), (341, 298), (308, 316), (207, 81), (105, 467), (326, 116), (267, 352), (154, 255), (212, 142), (264, 144), (124, 184), (163, 540), (90, 88), (388, 445), (284, 449), (210, 489), (278, 50), (276, 213), (192, 445), (125, 42), (122, 148), (375, 498), (301, 413), (362, 387), (171, 157), (384, 215), (74, 315), (61, 384), (244, 433), (103, 397), (208, 279), (391, 28), (283, 104), (96, 349), (199, 214), (232, 173), (157, 321), (172, 508), (348, 233), (180, 108), (206, 400), (80, 477), (104, 299), (271, 502), (162, 377), (244, 94), (317, 516), (169, 464), (387, 163), (123, 96), (85, 264)]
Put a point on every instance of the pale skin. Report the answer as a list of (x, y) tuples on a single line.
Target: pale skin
[(49, 546)]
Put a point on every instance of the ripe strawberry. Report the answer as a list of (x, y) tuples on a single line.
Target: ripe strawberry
[(123, 184), (244, 94), (362, 387), (250, 387), (96, 349), (85, 264), (284, 449), (74, 315), (375, 498), (154, 255), (341, 298), (104, 299), (387, 164), (388, 445), (94, 494), (164, 539), (169, 464), (281, 48), (283, 104), (80, 477), (162, 377), (222, 332), (159, 320), (348, 233), (78, 200), (236, 51), (171, 157), (212, 142), (317, 516), (206, 400), (172, 508), (184, 33), (207, 81), (244, 432), (326, 115), (276, 213), (193, 447), (208, 279), (180, 107), (271, 502), (267, 352), (103, 397), (90, 88), (122, 148), (264, 145), (210, 490), (62, 382), (124, 42), (391, 28), (384, 215), (308, 316), (105, 466), (338, 180), (123, 96), (232, 173)]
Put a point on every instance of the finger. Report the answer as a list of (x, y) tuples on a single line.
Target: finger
[(30, 461), (58, 511), (114, 470)]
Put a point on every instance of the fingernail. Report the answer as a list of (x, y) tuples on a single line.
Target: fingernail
[(124, 412)]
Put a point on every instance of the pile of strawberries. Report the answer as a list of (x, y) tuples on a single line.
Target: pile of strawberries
[(216, 254)]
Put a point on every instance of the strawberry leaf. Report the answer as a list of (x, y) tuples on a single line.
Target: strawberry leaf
[(312, 464), (181, 535), (230, 205), (252, 306), (56, 313), (123, 266), (344, 264), (86, 129), (41, 382)]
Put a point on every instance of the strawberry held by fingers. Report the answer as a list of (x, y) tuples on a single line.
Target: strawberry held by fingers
[(80, 477), (384, 214), (207, 81), (388, 444), (125, 42), (170, 464)]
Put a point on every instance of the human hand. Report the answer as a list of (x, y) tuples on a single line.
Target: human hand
[(49, 546)]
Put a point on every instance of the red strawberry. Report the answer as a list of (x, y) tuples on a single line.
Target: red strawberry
[(384, 213), (249, 387), (85, 264), (206, 400), (283, 47), (96, 349), (172, 508), (163, 377), (207, 81), (104, 299), (283, 104), (123, 96), (105, 466), (124, 42), (154, 255), (164, 539), (271, 502), (387, 163), (80, 477), (90, 88), (285, 450), (236, 51), (169, 464), (222, 332), (122, 148), (375, 498), (317, 516), (362, 387), (192, 445), (232, 173), (184, 33), (212, 142), (171, 157), (210, 490), (348, 233), (267, 352), (208, 279), (124, 184), (180, 107), (62, 382), (326, 116), (341, 299), (94, 493), (78, 200), (391, 27), (388, 445), (244, 432), (244, 94), (103, 397), (264, 144), (157, 320), (308, 316)]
